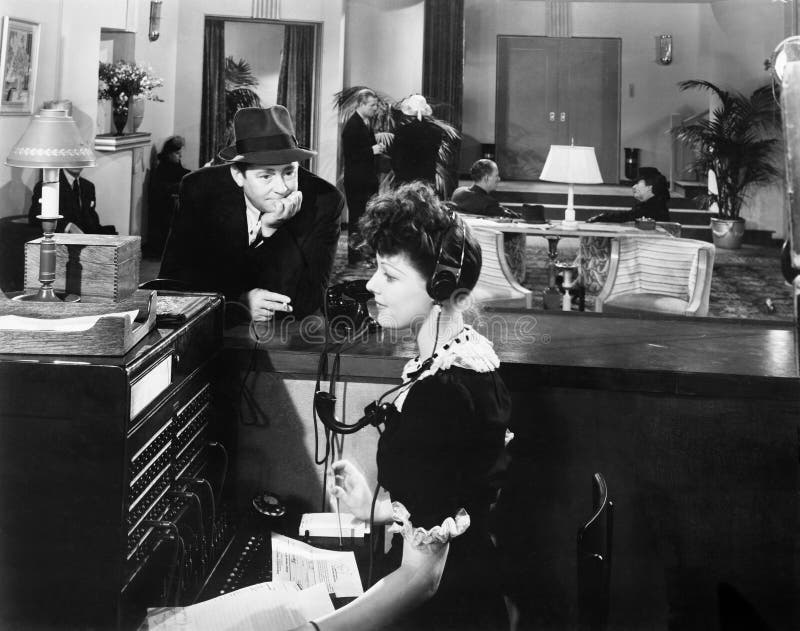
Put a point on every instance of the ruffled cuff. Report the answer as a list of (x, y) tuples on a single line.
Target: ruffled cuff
[(450, 528)]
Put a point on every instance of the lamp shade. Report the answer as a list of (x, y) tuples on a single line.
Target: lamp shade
[(52, 140), (572, 165)]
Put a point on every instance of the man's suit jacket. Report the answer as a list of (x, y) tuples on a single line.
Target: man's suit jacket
[(476, 201), (359, 161), (84, 215), (208, 245)]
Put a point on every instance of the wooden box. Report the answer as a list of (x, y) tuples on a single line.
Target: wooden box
[(89, 265)]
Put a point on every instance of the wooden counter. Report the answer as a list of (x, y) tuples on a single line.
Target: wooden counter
[(694, 423)]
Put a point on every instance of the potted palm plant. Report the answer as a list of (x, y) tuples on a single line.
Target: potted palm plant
[(737, 144)]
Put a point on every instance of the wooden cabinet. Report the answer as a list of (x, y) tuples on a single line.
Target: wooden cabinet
[(110, 480)]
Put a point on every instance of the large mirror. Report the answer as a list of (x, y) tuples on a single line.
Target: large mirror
[(257, 63)]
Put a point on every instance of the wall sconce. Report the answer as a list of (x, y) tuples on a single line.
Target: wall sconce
[(664, 49), (155, 20)]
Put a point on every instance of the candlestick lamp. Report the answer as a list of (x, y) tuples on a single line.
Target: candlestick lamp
[(51, 142)]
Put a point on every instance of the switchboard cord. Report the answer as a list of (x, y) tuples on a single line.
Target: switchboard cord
[(196, 498), (177, 559), (217, 445), (206, 484), (244, 392), (373, 536)]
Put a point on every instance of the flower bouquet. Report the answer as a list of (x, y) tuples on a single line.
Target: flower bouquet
[(121, 83)]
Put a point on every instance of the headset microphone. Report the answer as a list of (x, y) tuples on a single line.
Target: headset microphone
[(440, 286)]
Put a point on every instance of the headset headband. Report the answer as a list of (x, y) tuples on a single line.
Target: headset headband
[(444, 281)]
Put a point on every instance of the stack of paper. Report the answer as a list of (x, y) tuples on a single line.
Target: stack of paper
[(306, 565), (277, 605)]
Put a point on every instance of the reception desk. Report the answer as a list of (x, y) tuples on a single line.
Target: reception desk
[(693, 422)]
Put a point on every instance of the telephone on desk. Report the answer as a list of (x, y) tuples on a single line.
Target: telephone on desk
[(346, 306)]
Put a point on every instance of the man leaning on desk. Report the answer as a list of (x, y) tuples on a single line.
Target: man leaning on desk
[(260, 229)]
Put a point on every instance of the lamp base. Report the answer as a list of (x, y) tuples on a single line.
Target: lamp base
[(569, 214), (47, 296)]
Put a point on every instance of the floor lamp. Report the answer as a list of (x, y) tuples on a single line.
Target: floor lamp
[(51, 142), (571, 165)]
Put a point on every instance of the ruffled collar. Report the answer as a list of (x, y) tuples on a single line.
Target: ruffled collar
[(469, 349)]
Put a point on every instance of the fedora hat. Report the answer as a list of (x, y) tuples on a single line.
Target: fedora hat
[(264, 136)]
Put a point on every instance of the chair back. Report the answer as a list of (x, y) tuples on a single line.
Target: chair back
[(496, 282), (675, 268), (672, 227), (594, 560)]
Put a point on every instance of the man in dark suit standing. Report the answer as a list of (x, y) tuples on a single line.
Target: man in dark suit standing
[(76, 205), (261, 229), (359, 149), (477, 199)]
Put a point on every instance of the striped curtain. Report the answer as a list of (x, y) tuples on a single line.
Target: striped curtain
[(296, 78), (212, 114), (443, 65)]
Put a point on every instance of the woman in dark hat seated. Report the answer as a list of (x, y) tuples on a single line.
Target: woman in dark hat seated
[(163, 198), (260, 229), (651, 193), (441, 449)]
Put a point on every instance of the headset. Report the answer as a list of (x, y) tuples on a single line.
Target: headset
[(446, 275), (440, 286)]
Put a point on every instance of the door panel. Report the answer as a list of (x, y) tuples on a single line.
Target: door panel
[(577, 79), (590, 85), (527, 83)]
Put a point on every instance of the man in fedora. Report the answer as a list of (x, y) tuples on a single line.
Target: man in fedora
[(260, 229)]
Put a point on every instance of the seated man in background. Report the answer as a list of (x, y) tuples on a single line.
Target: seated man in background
[(477, 199), (651, 193), (261, 230), (76, 205)]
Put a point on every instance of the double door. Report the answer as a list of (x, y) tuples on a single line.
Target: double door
[(553, 91)]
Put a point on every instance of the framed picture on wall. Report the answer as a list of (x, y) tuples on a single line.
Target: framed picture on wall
[(18, 61)]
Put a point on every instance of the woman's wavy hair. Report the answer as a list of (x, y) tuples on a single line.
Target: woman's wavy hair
[(412, 220)]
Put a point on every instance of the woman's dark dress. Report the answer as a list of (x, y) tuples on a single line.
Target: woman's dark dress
[(442, 453)]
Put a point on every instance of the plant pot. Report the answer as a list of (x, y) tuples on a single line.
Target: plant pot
[(138, 113), (727, 233), (120, 118)]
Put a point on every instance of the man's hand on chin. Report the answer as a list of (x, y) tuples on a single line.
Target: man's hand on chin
[(263, 304), (279, 211)]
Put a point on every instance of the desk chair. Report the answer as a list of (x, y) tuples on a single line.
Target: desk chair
[(497, 285), (594, 560), (658, 276), (672, 227)]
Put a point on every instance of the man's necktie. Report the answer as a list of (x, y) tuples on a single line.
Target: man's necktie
[(76, 193), (256, 235)]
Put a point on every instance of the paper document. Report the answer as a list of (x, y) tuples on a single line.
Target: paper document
[(294, 560), (79, 323), (277, 606), (327, 525)]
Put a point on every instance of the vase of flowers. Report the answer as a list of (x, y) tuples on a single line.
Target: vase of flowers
[(123, 84)]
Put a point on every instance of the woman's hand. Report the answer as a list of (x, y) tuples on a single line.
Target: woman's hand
[(350, 487)]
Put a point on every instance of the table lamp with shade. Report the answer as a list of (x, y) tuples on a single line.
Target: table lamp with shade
[(571, 165), (51, 142)]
